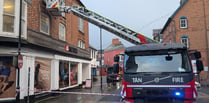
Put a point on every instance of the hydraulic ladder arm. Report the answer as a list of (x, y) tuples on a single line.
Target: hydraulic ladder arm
[(96, 19)]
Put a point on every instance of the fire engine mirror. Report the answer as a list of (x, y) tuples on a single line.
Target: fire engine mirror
[(116, 68), (116, 58), (168, 58), (197, 55), (199, 65)]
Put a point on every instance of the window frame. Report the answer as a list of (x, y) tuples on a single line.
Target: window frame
[(15, 33), (80, 25), (183, 22), (48, 19), (184, 37), (64, 34), (81, 44)]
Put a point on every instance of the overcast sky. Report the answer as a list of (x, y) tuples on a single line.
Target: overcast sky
[(139, 15)]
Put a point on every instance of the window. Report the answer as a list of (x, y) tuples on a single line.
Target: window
[(183, 22), (61, 32), (44, 25), (80, 25), (81, 44), (24, 19), (8, 16), (62, 3), (185, 40)]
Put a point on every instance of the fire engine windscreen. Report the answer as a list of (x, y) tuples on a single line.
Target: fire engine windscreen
[(177, 61)]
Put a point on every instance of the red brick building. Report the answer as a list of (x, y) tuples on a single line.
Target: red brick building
[(189, 24), (55, 48), (114, 49)]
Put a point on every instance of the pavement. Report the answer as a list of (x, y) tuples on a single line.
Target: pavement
[(106, 94), (96, 94)]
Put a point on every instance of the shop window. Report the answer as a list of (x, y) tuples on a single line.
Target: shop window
[(73, 73), (185, 40), (80, 25), (61, 32), (8, 77), (183, 22), (42, 74), (44, 25), (63, 74)]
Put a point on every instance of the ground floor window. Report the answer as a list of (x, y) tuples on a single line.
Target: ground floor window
[(7, 77), (73, 73), (63, 74), (42, 74)]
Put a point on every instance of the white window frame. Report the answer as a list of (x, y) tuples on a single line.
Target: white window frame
[(187, 41), (183, 23), (80, 25), (81, 44), (48, 23), (14, 34), (62, 34)]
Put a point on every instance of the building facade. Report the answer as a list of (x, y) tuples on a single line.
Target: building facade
[(54, 48), (112, 50), (189, 25), (93, 54)]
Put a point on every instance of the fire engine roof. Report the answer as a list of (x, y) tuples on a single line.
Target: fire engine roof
[(155, 46)]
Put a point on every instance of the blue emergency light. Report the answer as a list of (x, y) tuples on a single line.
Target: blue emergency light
[(178, 94)]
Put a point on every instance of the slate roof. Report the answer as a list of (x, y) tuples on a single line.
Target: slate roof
[(171, 17), (114, 47)]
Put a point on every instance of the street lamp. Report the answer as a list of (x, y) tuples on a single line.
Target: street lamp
[(19, 53), (100, 63)]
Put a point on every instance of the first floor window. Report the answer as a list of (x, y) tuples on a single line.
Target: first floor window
[(8, 16), (81, 44), (44, 25), (61, 32)]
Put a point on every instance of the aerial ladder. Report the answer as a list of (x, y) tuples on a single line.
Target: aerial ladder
[(56, 7)]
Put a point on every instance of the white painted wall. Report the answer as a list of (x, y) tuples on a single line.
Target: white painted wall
[(28, 62), (80, 73), (54, 74)]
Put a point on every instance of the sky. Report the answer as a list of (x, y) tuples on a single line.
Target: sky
[(141, 16)]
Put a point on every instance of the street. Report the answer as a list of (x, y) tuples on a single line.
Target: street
[(109, 94)]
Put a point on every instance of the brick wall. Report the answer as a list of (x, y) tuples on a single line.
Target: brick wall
[(70, 21), (196, 31)]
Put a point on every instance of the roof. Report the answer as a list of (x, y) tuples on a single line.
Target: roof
[(171, 17), (90, 46), (114, 47), (155, 46), (79, 1)]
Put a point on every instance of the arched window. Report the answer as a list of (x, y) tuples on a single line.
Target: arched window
[(183, 22), (185, 40)]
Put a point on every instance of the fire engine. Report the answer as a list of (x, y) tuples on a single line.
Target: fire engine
[(151, 70), (159, 73)]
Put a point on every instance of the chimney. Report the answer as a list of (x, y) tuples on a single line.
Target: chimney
[(115, 41)]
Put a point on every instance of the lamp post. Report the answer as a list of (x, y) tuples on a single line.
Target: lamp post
[(19, 53), (100, 63)]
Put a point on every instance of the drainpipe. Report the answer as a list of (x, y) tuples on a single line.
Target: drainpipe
[(206, 35)]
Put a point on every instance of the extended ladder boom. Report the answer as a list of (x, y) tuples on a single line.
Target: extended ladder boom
[(102, 22)]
